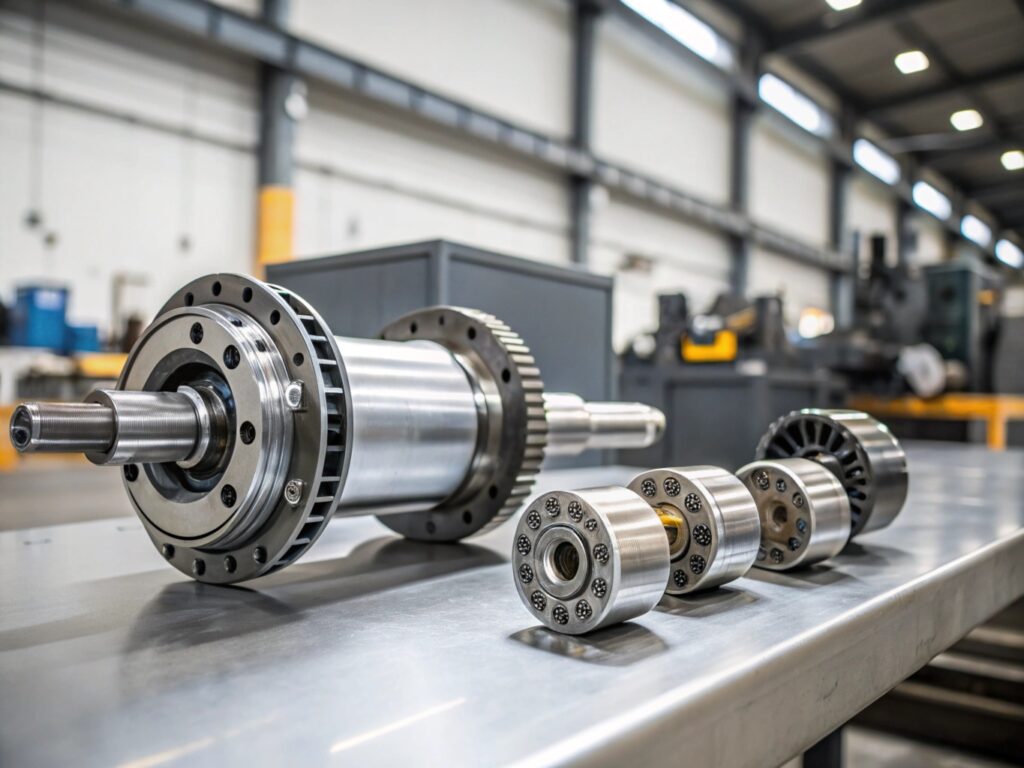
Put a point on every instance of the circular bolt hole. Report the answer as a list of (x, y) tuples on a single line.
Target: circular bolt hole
[(230, 564), (167, 550), (247, 295), (131, 472), (298, 358), (247, 432), (275, 317), (467, 517), (506, 375), (412, 327), (216, 288), (189, 299), (228, 496), (259, 555), (231, 356), (198, 567), (471, 333), (493, 491), (440, 319), (196, 333), (431, 528), (260, 346)]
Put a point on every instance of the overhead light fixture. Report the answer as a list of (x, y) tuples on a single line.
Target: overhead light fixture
[(976, 230), (1010, 254), (875, 161), (1013, 160), (799, 108), (910, 62), (967, 119), (685, 28), (842, 5), (930, 199)]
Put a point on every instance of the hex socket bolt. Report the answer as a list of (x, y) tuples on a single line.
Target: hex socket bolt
[(804, 511)]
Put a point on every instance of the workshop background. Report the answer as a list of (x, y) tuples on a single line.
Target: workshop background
[(858, 162)]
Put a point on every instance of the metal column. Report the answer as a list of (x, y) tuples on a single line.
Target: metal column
[(841, 283), (744, 111), (584, 27), (276, 201)]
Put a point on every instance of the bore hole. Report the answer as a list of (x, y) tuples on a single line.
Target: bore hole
[(198, 567), (412, 327), (275, 317), (230, 564), (440, 319), (493, 491), (467, 517), (231, 356), (247, 432), (298, 358), (196, 333), (228, 496), (431, 528), (247, 295), (216, 288), (779, 516), (167, 550), (189, 299), (471, 333), (566, 561), (259, 555), (131, 472), (506, 375), (20, 436)]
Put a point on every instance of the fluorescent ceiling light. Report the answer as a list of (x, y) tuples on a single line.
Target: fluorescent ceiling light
[(930, 199), (976, 230), (1013, 160), (843, 5), (1009, 254), (967, 119), (910, 62), (686, 28), (875, 161), (794, 105)]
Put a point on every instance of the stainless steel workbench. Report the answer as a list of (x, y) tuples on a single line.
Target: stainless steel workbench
[(373, 650)]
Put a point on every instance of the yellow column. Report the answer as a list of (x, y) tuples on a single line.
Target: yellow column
[(275, 226)]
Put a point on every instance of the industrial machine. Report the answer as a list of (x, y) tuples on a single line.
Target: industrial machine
[(589, 559), (243, 425)]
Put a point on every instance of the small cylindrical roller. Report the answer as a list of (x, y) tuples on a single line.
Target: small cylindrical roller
[(711, 522), (589, 559), (804, 510)]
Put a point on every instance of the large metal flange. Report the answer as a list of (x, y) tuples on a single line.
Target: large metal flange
[(513, 429), (589, 559), (711, 521), (275, 364), (804, 510), (859, 450)]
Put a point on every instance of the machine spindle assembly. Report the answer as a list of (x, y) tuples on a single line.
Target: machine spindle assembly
[(243, 425)]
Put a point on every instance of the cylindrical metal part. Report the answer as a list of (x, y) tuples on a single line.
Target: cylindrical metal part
[(415, 424), (575, 425), (804, 511), (111, 427), (858, 449), (62, 427), (149, 427), (711, 522), (589, 559)]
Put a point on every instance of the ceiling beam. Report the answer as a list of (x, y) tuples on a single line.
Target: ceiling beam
[(841, 21), (977, 80), (999, 191)]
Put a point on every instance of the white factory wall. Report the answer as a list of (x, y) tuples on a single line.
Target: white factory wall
[(658, 114), (369, 177), (871, 210), (510, 57), (117, 197), (932, 239), (684, 258)]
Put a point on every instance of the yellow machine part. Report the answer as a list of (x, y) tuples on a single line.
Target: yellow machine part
[(721, 350), (101, 366)]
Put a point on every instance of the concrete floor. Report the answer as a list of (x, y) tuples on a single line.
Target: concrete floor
[(52, 492)]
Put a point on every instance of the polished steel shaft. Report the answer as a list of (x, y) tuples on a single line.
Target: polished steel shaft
[(114, 427), (575, 425)]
